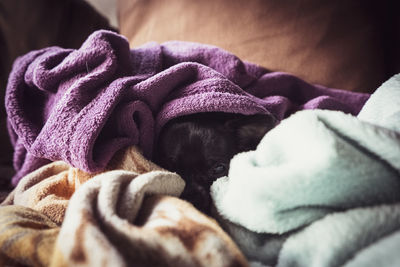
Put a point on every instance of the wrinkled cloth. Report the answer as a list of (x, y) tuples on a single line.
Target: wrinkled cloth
[(119, 218), (26, 237), (49, 188), (166, 232), (323, 185), (127, 215), (81, 106)]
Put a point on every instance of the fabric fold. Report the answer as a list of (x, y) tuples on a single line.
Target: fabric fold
[(118, 218), (82, 106), (27, 237), (49, 188), (323, 185), (325, 161), (129, 214)]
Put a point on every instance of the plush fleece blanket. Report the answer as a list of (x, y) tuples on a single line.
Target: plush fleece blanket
[(49, 188), (321, 189), (62, 216), (81, 106)]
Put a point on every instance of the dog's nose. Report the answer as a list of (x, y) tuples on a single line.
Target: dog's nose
[(198, 196)]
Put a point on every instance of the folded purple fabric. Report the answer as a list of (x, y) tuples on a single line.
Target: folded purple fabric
[(81, 106)]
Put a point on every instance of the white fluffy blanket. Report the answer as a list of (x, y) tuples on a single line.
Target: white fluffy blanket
[(321, 189)]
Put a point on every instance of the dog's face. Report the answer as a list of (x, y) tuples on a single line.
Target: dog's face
[(199, 148)]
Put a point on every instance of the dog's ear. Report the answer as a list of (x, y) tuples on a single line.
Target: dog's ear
[(250, 129)]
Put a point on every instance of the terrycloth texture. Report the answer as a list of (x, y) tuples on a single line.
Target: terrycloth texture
[(327, 181), (81, 106), (118, 218), (27, 25), (49, 188)]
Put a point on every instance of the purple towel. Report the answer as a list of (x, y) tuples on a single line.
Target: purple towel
[(81, 106)]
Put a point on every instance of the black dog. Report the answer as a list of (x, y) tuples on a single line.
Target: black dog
[(199, 147)]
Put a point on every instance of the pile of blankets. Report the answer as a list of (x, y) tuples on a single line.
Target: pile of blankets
[(84, 124), (61, 216), (321, 189), (81, 106)]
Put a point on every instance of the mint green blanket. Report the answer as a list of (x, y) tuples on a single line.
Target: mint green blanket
[(323, 187)]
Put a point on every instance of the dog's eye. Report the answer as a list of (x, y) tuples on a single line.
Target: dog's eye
[(219, 169)]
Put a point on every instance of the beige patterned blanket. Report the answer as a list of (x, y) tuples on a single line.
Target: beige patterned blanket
[(129, 215)]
